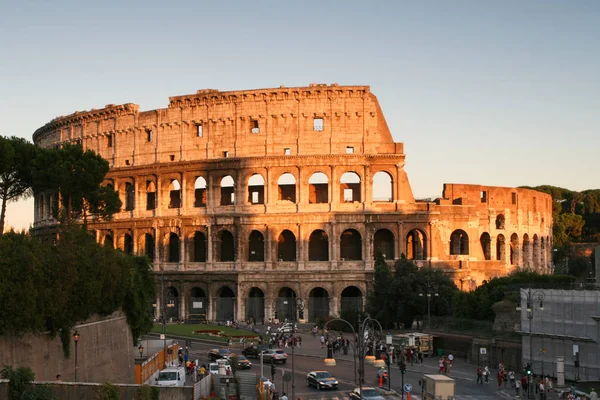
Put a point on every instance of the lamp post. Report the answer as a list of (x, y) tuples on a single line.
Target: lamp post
[(76, 339), (364, 342), (530, 299), (141, 349), (428, 293), (167, 301)]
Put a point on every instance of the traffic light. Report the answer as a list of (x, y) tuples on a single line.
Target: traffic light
[(528, 369), (402, 366), (273, 371)]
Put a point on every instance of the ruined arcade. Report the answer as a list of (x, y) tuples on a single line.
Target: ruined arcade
[(251, 201)]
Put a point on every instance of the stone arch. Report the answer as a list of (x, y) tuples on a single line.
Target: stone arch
[(256, 246), (501, 248), (285, 304), (536, 252), (128, 243), (351, 245), (255, 305), (526, 251), (318, 188), (318, 304), (198, 248), (383, 187), (459, 243), (256, 189), (200, 192), (514, 249), (416, 245), (150, 195), (226, 246), (350, 188), (318, 246), (543, 262), (286, 246), (486, 245), (109, 241), (500, 221), (172, 303), (286, 187), (174, 244), (174, 194), (227, 191), (225, 304), (383, 241), (351, 304), (129, 196), (198, 304), (149, 244)]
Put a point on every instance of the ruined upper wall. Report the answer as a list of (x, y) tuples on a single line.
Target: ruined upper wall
[(251, 123)]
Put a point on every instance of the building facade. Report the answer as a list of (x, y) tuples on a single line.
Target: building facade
[(273, 202)]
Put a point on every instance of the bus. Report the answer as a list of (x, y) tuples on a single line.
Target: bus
[(417, 340)]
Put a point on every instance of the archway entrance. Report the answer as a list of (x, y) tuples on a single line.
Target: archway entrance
[(318, 304), (198, 305), (352, 303), (384, 243), (172, 304), (255, 305), (285, 307), (225, 304)]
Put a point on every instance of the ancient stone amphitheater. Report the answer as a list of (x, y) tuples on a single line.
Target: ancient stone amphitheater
[(273, 202)]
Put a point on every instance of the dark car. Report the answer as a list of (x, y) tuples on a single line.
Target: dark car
[(255, 350), (243, 362), (321, 380), (216, 354)]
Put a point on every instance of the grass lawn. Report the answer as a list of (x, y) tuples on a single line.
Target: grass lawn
[(187, 330)]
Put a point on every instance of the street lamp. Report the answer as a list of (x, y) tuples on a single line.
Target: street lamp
[(76, 339), (429, 294), (167, 301), (530, 299), (141, 349)]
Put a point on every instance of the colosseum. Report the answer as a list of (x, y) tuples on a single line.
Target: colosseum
[(273, 202)]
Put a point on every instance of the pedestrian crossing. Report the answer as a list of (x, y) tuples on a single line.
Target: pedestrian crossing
[(496, 396)]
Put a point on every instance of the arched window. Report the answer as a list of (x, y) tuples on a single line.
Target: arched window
[(173, 248), (318, 188), (108, 241), (383, 187), (225, 306), (459, 243), (352, 302), (526, 251), (256, 189), (150, 195), (199, 248), (175, 194), (486, 245), (501, 248), (226, 248), (287, 187), (149, 246), (500, 221), (256, 247), (350, 188), (129, 196), (128, 244), (286, 246), (200, 192), (416, 245), (318, 246), (318, 304), (227, 191), (351, 245), (514, 249), (383, 242)]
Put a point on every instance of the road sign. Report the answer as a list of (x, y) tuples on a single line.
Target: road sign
[(482, 350), (388, 338), (408, 388), (162, 336)]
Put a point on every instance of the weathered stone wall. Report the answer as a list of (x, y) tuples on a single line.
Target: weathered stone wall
[(104, 352)]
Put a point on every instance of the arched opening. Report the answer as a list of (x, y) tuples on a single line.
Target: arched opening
[(318, 304), (173, 248), (285, 308), (200, 192), (287, 187), (416, 245), (172, 303), (286, 246), (128, 244), (198, 248), (383, 242), (198, 306), (149, 246), (255, 305), (256, 189), (225, 304), (352, 303), (226, 248), (514, 249), (175, 194), (350, 188), (318, 246), (150, 195), (351, 245), (526, 251), (500, 221), (129, 196), (459, 243), (486, 245), (318, 188), (543, 262), (109, 242), (256, 247), (536, 252), (501, 248), (227, 191), (383, 187)]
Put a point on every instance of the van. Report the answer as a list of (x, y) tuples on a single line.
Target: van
[(172, 376)]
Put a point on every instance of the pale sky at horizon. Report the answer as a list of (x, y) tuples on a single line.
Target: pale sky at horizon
[(502, 93)]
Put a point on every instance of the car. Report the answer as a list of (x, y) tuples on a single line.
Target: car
[(254, 350), (243, 362), (368, 393), (213, 368), (275, 355), (287, 328), (172, 376), (268, 384), (321, 380), (216, 354)]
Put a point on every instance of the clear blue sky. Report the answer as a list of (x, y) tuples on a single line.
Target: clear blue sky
[(500, 93)]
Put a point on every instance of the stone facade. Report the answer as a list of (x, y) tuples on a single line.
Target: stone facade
[(258, 203)]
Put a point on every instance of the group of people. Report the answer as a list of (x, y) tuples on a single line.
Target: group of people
[(506, 376), (445, 364)]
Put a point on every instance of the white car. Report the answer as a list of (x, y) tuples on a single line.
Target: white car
[(172, 376), (287, 328), (368, 393), (268, 384), (213, 368), (274, 355)]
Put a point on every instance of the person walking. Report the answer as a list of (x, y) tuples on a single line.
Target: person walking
[(511, 378), (593, 395), (486, 374), (479, 376), (322, 341), (517, 388), (499, 378)]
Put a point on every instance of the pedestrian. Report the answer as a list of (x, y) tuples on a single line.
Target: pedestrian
[(479, 376), (442, 365), (420, 356), (593, 395), (486, 374), (505, 378), (517, 388), (542, 390), (499, 378), (322, 341), (511, 378), (59, 378), (284, 397), (524, 384)]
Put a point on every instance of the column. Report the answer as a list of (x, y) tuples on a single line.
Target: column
[(300, 256), (268, 248), (366, 188), (334, 197), (183, 193), (157, 260), (335, 311), (182, 246), (182, 307), (209, 244), (493, 247), (159, 196), (368, 247), (400, 241), (396, 191)]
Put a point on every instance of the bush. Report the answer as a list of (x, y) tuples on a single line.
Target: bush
[(19, 380), (107, 391), (147, 392)]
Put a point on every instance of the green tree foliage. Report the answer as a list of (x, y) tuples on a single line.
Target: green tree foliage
[(19, 380), (379, 303), (15, 172), (107, 391), (147, 392)]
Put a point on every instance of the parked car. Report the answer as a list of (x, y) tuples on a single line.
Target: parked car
[(213, 368), (254, 350), (275, 355), (216, 354), (172, 376), (369, 393), (243, 362), (321, 380), (288, 327)]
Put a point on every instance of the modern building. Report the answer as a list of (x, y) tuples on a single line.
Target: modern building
[(273, 202)]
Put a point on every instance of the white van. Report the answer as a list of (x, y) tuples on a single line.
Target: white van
[(172, 376)]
